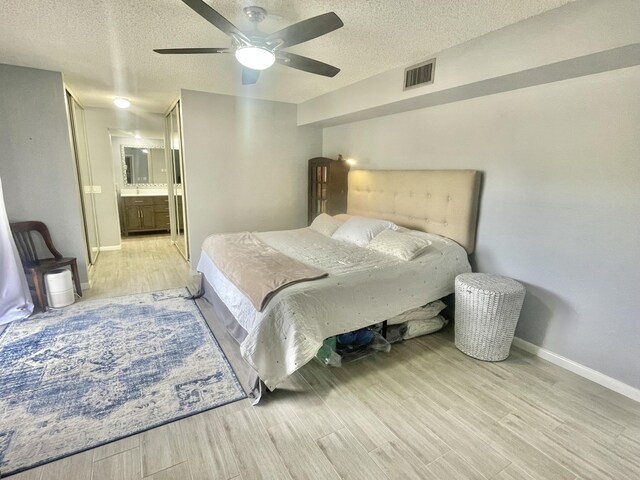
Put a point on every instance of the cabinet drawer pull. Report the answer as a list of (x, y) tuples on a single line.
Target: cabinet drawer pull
[(138, 201)]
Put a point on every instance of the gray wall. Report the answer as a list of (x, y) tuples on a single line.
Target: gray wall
[(548, 109), (36, 160), (105, 163), (246, 165), (528, 50), (560, 202)]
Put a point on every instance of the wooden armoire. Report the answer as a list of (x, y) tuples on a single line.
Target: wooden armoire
[(327, 187)]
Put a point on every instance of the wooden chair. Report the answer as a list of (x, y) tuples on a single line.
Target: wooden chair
[(37, 267)]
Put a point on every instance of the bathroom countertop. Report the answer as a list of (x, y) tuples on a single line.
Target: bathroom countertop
[(144, 193)]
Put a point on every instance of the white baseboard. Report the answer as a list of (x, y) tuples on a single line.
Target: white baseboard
[(85, 286), (578, 369), (109, 248)]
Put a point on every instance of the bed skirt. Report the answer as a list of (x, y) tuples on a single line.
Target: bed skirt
[(251, 382), (249, 378)]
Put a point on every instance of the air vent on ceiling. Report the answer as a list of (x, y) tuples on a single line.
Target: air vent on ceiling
[(420, 74)]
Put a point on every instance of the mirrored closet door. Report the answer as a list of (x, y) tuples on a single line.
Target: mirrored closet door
[(83, 166), (177, 197)]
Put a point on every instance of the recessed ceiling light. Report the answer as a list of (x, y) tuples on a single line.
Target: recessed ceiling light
[(137, 135), (121, 102)]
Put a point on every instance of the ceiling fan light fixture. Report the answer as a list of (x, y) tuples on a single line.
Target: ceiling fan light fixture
[(256, 50), (255, 58), (121, 102)]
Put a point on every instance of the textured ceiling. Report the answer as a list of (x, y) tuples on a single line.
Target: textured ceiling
[(104, 47)]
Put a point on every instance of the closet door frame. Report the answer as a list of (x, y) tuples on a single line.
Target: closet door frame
[(176, 107), (87, 199)]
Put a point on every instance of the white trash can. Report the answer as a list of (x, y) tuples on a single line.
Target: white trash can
[(59, 288)]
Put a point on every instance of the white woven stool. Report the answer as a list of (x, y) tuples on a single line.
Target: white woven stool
[(487, 311)]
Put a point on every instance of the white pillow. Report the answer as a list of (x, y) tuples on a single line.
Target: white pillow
[(425, 312), (325, 224), (342, 217), (360, 230), (416, 328), (404, 246)]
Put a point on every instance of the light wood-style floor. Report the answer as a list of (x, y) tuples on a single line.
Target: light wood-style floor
[(423, 411), (146, 263)]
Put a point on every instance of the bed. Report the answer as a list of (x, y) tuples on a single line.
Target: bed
[(363, 286)]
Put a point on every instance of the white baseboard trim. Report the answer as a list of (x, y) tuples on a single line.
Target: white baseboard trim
[(85, 286), (109, 248), (579, 369)]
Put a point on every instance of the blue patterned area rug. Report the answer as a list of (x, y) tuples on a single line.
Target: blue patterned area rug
[(97, 371)]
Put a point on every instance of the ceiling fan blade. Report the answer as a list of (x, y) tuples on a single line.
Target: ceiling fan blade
[(306, 30), (249, 76), (191, 50), (215, 19), (306, 64)]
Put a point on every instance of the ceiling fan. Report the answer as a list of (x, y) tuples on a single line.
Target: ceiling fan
[(257, 50)]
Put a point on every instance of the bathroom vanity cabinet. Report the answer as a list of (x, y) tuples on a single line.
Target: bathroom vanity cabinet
[(146, 214)]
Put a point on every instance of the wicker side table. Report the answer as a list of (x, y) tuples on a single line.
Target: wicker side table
[(487, 311)]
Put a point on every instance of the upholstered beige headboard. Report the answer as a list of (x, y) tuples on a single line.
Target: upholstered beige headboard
[(444, 202)]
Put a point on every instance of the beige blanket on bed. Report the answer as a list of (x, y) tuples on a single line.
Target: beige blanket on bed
[(258, 270)]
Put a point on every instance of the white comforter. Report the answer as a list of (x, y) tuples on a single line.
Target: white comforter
[(363, 287)]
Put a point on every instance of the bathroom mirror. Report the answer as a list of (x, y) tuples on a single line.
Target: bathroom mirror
[(143, 165)]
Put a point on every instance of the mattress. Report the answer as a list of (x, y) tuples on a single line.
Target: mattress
[(363, 287)]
